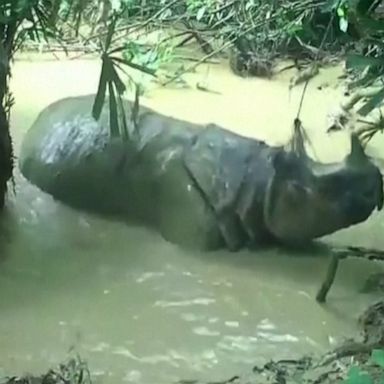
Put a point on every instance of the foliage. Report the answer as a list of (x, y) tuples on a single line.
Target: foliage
[(18, 19), (357, 375), (267, 29), (366, 62), (283, 25), (72, 371), (276, 28), (264, 29)]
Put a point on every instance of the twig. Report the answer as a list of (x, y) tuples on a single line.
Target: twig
[(205, 89), (358, 95), (153, 17), (361, 252), (190, 58), (218, 50), (59, 47), (339, 253), (231, 41), (329, 279), (347, 350), (316, 60), (136, 26)]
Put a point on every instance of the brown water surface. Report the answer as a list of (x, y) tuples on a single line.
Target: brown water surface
[(142, 310)]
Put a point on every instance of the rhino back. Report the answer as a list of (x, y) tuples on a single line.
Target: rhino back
[(169, 174)]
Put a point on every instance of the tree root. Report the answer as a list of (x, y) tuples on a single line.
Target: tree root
[(348, 349), (339, 253), (361, 252), (344, 117), (329, 279), (359, 95), (304, 75)]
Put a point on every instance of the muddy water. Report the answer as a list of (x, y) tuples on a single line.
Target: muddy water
[(140, 309)]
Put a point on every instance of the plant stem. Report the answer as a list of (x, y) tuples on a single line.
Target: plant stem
[(329, 279)]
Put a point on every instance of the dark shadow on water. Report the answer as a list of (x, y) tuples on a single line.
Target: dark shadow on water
[(315, 249), (275, 259), (307, 261)]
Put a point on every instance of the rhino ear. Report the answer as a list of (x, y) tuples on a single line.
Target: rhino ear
[(285, 163), (279, 160), (357, 154), (358, 157)]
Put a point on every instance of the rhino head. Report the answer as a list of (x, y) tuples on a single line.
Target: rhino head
[(306, 199)]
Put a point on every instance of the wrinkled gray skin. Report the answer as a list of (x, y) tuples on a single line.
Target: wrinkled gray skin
[(203, 187)]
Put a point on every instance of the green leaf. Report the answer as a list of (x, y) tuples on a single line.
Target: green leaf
[(377, 357), (113, 114), (111, 30), (200, 13), (372, 103), (136, 106), (100, 95), (122, 48), (371, 25), (343, 24), (120, 86), (357, 376), (367, 80), (135, 66), (125, 131), (361, 62), (340, 12), (249, 5), (330, 5)]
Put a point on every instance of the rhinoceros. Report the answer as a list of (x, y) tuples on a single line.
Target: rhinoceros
[(198, 186)]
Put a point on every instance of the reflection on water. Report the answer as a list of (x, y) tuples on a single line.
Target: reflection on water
[(143, 310)]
